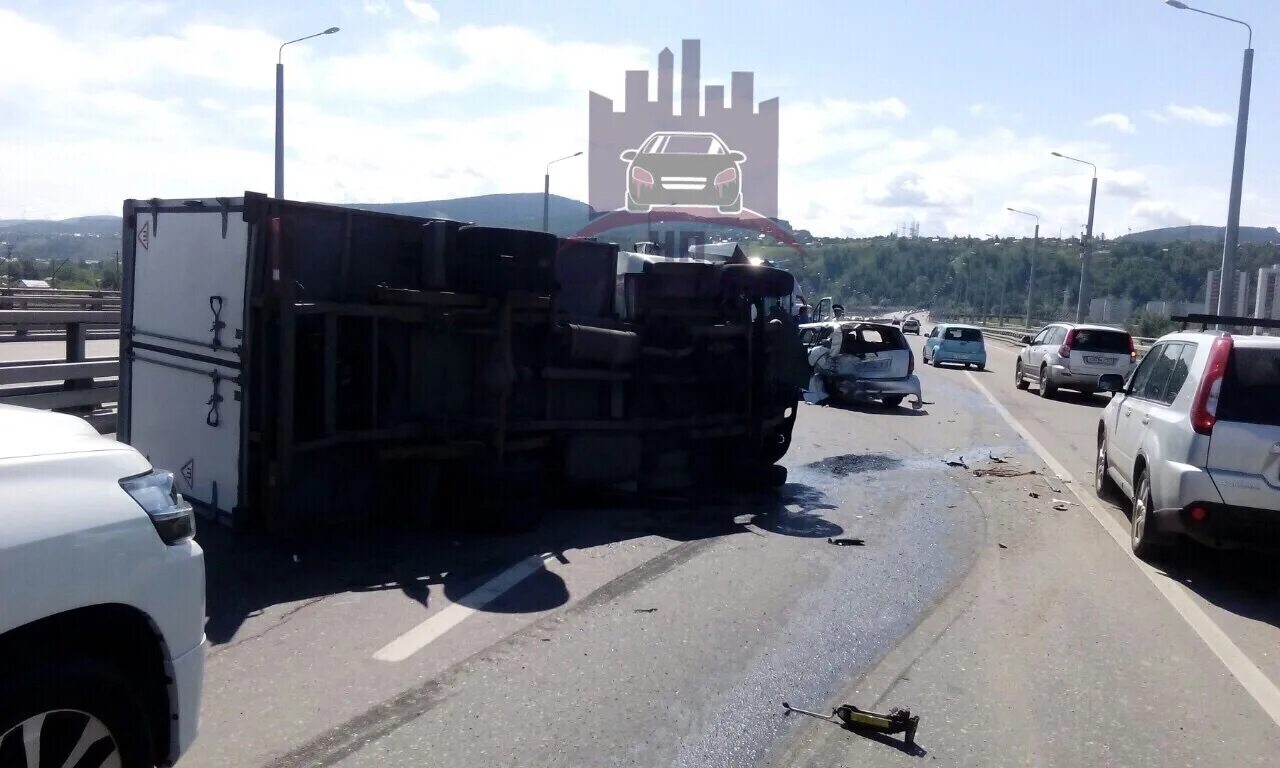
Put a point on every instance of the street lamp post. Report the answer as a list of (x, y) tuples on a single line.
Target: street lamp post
[(280, 107), (1082, 296), (1231, 237), (546, 189), (1031, 270)]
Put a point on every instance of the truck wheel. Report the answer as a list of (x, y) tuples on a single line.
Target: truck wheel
[(892, 401), (60, 705)]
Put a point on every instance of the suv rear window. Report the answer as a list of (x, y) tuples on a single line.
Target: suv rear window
[(1250, 386), (1092, 340), (962, 334), (865, 341)]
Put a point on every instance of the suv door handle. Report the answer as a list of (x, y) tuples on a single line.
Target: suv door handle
[(1128, 412), (1146, 419)]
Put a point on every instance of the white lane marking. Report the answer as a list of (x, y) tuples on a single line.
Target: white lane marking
[(1254, 680), (432, 628)]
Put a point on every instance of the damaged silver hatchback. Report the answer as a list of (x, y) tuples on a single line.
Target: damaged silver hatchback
[(862, 360)]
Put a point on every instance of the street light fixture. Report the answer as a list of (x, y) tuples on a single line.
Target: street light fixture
[(1031, 271), (546, 188), (1231, 238), (280, 107), (1082, 296)]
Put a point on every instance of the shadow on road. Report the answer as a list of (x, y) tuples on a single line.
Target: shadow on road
[(247, 573), (1240, 582), (871, 406)]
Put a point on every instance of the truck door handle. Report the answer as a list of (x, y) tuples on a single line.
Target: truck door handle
[(1146, 419), (1275, 448), (1128, 412)]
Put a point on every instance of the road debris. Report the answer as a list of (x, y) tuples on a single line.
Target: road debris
[(1061, 501), (995, 458), (1001, 545), (1002, 472), (644, 610), (846, 542), (1034, 495), (953, 463), (854, 719)]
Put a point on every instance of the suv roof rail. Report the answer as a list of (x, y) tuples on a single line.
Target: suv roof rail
[(1206, 320)]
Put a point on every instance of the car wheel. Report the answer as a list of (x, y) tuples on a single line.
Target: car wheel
[(936, 362), (1047, 388), (76, 705), (1019, 380), (981, 366), (892, 401), (1103, 485), (1141, 537)]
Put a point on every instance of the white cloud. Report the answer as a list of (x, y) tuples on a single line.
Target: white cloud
[(1120, 122), (1153, 214), (911, 190), (1155, 116), (423, 10), (1123, 183), (376, 7), (1198, 115), (977, 108)]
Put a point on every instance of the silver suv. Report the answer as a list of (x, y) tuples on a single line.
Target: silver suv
[(1073, 356), (1193, 438)]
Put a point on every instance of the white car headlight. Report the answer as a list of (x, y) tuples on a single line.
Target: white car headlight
[(170, 513)]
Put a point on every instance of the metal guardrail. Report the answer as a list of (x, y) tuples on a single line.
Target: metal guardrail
[(1014, 334), (85, 386)]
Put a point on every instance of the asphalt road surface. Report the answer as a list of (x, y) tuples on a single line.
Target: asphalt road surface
[(665, 632)]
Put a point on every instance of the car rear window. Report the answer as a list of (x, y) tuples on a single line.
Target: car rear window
[(1092, 340), (962, 334), (1250, 386), (865, 341)]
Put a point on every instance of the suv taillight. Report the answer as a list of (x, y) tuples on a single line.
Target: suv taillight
[(169, 512), (1064, 351), (1204, 409), (1133, 351)]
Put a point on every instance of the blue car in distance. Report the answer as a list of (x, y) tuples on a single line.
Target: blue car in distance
[(954, 343)]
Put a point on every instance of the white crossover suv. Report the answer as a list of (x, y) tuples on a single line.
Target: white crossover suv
[(102, 613), (1193, 438)]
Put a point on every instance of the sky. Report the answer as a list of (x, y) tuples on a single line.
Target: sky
[(934, 111)]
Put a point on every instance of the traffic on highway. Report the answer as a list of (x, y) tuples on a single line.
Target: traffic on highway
[(407, 467)]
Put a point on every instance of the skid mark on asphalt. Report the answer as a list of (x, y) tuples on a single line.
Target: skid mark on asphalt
[(1254, 680)]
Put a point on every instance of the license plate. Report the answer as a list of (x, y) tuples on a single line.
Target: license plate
[(1099, 360), (874, 365)]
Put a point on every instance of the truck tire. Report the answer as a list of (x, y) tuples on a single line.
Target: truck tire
[(892, 401), (66, 700)]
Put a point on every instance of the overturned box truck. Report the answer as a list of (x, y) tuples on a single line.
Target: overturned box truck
[(299, 365)]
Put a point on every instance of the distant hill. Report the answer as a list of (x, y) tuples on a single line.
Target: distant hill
[(1202, 232), (516, 210), (98, 237)]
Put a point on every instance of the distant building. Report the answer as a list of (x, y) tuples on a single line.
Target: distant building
[(1169, 308), (1239, 291), (1110, 309), (1266, 302), (33, 283)]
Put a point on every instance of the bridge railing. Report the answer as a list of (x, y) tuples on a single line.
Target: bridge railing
[(75, 382)]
